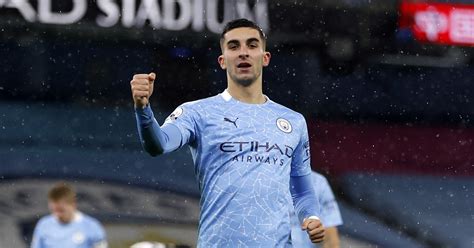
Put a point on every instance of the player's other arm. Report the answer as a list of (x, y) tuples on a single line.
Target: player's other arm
[(156, 140), (307, 206), (304, 197)]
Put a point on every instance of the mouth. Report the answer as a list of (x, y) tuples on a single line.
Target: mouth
[(244, 65)]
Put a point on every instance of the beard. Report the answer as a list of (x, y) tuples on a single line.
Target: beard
[(245, 82)]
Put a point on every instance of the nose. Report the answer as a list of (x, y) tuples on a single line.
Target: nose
[(244, 52)]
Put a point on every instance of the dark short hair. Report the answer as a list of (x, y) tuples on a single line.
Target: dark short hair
[(242, 23), (61, 191)]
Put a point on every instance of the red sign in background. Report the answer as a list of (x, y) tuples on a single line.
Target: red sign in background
[(337, 148), (441, 23)]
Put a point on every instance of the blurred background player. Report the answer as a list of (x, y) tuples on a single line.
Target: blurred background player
[(66, 227), (150, 244), (247, 149), (146, 244), (330, 217)]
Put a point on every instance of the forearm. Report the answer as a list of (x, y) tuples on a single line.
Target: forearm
[(304, 197), (331, 238), (156, 140)]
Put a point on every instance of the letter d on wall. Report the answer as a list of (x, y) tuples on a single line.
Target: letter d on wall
[(169, 14), (46, 15)]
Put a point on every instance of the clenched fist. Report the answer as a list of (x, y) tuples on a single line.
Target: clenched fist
[(142, 88), (315, 229)]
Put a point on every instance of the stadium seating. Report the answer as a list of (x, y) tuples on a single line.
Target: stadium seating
[(437, 210), (364, 227), (96, 143)]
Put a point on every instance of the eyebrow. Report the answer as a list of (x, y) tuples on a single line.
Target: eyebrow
[(232, 42), (249, 40)]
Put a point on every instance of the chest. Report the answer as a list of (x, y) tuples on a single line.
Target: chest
[(250, 131), (66, 237)]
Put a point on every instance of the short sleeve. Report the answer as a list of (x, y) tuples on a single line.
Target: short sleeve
[(301, 159), (184, 117), (98, 237)]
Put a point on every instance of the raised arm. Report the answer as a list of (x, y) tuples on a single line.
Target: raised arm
[(155, 140)]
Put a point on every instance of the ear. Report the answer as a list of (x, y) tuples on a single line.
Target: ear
[(266, 58), (221, 62)]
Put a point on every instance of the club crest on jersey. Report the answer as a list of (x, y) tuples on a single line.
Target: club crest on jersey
[(284, 125), (78, 238), (176, 113)]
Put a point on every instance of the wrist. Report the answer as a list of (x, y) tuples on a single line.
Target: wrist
[(144, 111), (312, 217), (140, 105)]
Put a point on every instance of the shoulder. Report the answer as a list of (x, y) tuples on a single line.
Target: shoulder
[(294, 120), (94, 228), (199, 105), (44, 224), (195, 109), (92, 222), (45, 220), (208, 101), (288, 114)]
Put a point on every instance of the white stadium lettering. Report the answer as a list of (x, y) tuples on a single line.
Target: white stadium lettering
[(173, 15)]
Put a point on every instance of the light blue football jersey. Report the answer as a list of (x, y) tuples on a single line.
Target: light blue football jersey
[(83, 232), (330, 215), (244, 155)]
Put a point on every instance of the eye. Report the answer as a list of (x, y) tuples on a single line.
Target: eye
[(253, 45), (232, 46)]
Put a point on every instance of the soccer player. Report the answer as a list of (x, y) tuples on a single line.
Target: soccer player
[(249, 152), (330, 217), (66, 227)]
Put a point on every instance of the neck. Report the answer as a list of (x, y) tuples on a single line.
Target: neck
[(66, 219), (251, 94), (69, 218)]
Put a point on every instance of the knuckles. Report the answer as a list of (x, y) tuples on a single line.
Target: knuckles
[(139, 81), (140, 76), (140, 86)]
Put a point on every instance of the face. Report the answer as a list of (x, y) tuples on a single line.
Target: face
[(243, 55), (62, 209)]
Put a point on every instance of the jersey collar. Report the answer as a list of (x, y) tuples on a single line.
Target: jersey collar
[(78, 216), (225, 94), (227, 97)]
